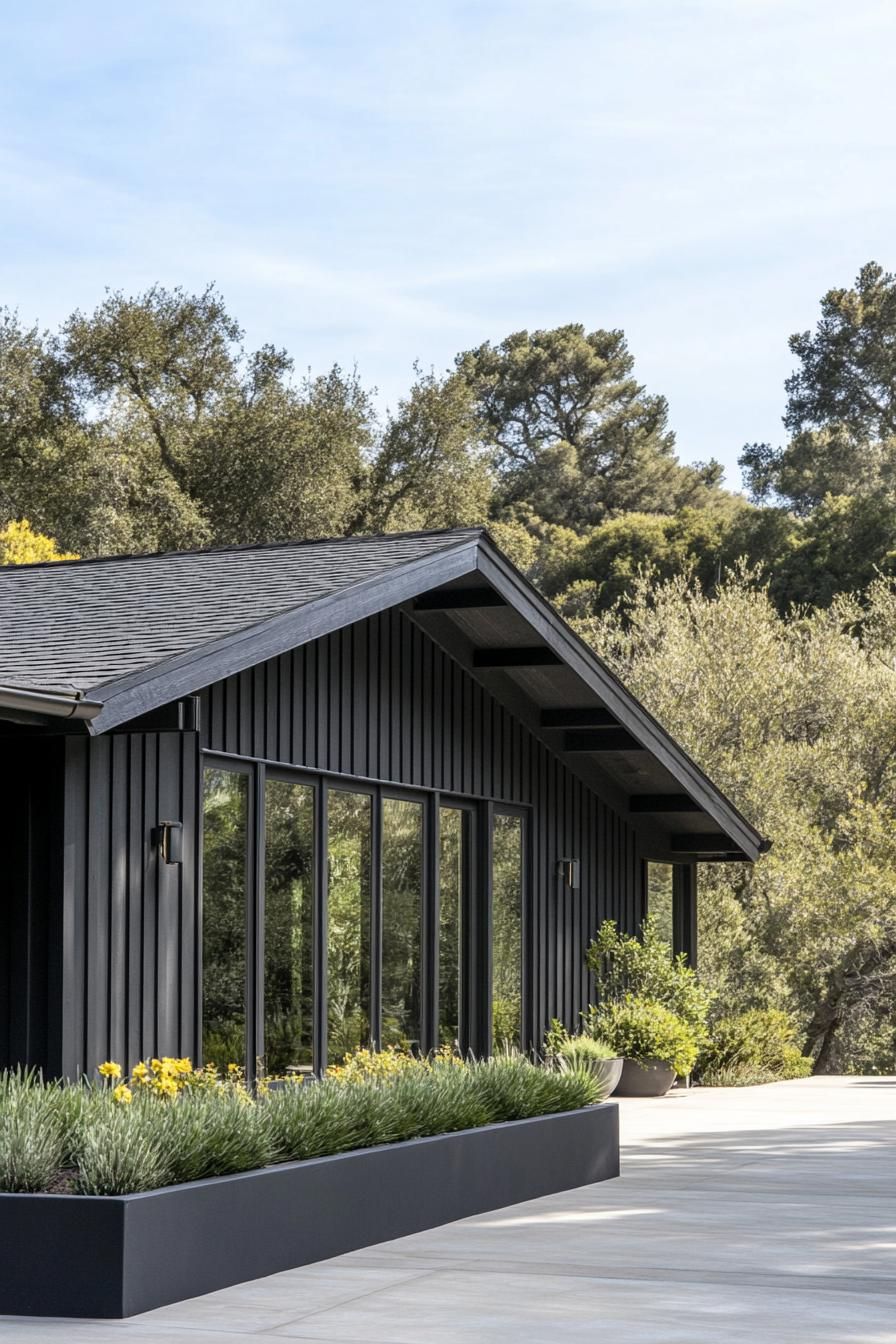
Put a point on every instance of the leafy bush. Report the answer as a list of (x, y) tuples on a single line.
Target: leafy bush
[(640, 1029), (624, 965), (758, 1046)]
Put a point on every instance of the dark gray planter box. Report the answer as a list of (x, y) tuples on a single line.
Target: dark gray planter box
[(113, 1256)]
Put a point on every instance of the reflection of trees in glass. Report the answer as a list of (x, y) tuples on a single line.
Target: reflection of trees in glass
[(659, 898), (507, 928), (402, 900), (348, 922), (289, 885), (451, 885), (225, 811)]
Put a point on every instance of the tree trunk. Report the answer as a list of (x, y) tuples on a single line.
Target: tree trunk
[(845, 984)]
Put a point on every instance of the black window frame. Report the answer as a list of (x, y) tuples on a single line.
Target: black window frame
[(476, 960)]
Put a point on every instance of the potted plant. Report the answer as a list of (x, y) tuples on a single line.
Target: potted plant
[(656, 1043), (584, 1054)]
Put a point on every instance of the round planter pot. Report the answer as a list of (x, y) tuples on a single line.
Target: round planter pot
[(645, 1078), (608, 1072)]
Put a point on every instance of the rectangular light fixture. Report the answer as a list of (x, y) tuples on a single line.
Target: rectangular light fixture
[(171, 841), (568, 872)]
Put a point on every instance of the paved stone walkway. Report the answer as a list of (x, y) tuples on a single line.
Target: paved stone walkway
[(754, 1214)]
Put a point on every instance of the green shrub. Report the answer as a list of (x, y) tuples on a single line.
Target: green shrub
[(758, 1046), (640, 1029), (644, 967)]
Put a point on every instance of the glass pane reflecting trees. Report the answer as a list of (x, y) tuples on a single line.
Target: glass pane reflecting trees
[(402, 869), (453, 858), (659, 898), (224, 916), (289, 897), (507, 929), (348, 921)]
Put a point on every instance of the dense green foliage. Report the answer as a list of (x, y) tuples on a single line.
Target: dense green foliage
[(758, 1046), (796, 720), (641, 1029), (625, 965), (104, 1141)]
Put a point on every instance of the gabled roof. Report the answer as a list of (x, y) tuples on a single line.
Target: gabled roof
[(109, 640)]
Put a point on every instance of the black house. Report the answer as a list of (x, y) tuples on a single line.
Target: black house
[(279, 801)]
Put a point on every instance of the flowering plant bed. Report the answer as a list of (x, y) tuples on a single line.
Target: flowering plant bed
[(116, 1255)]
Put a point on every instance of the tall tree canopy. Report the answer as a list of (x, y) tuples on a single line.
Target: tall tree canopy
[(841, 403), (796, 719), (575, 437)]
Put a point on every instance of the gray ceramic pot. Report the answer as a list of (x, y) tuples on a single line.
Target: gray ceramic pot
[(608, 1072), (645, 1078)]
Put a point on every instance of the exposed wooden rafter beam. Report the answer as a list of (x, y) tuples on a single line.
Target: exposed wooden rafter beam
[(600, 739), (707, 843), (662, 802), (589, 716), (458, 599), (539, 655)]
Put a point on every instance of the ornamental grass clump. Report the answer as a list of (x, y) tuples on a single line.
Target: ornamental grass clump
[(33, 1133), (121, 1150), (214, 1134), (511, 1088), (315, 1120)]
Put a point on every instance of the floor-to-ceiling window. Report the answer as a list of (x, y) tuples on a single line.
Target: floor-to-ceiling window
[(348, 915), (349, 841), (224, 915), (402, 906), (507, 929), (289, 855)]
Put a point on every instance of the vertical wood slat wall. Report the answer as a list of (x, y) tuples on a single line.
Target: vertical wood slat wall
[(128, 920), (378, 700)]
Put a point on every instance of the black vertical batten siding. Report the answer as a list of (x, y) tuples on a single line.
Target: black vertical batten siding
[(127, 928), (380, 700)]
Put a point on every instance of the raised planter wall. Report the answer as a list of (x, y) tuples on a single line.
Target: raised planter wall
[(114, 1256)]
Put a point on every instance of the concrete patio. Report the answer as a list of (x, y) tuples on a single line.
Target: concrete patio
[(743, 1214)]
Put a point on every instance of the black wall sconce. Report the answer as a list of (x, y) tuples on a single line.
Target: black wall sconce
[(568, 872), (171, 841)]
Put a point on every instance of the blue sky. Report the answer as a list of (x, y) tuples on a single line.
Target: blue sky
[(385, 180)]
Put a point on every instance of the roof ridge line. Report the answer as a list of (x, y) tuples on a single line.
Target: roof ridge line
[(236, 547)]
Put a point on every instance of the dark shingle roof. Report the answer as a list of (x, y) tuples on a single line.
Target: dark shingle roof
[(71, 627)]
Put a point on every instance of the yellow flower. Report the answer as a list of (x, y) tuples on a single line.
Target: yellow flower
[(156, 1065), (140, 1072), (110, 1069), (123, 1094)]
